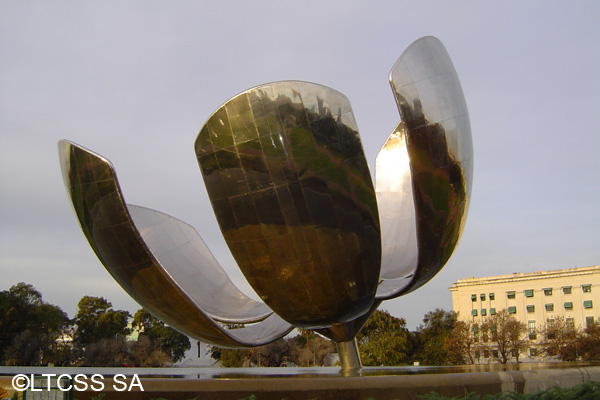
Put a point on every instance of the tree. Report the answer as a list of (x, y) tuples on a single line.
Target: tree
[(273, 354), (29, 327), (559, 338), (383, 340), (589, 343), (305, 349), (146, 353), (436, 327), (106, 352), (461, 343), (309, 349), (17, 306), (506, 332), (231, 358), (171, 342), (96, 320), (517, 337)]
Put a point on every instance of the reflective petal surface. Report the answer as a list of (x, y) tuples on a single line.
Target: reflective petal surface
[(435, 134), (187, 260), (286, 175), (161, 261)]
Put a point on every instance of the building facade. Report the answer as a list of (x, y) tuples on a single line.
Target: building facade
[(533, 297)]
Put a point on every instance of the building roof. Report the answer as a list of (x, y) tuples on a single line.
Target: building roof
[(537, 275)]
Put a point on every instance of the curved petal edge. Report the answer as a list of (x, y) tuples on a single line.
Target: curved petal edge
[(112, 233), (436, 130)]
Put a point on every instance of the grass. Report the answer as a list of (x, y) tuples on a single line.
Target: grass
[(585, 391)]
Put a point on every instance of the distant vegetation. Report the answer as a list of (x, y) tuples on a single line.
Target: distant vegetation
[(33, 332)]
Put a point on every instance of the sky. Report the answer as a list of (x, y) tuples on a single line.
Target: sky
[(135, 81)]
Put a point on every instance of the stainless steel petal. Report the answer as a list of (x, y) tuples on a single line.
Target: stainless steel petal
[(286, 174), (106, 222), (187, 260), (436, 130)]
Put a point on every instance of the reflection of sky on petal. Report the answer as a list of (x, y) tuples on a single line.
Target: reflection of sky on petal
[(396, 210)]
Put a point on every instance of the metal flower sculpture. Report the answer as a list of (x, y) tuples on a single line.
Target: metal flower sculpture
[(289, 184)]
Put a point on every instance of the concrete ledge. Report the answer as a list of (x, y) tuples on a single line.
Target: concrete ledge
[(352, 388)]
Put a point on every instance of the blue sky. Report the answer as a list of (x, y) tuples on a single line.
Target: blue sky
[(135, 81)]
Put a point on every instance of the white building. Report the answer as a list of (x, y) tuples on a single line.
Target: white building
[(532, 298)]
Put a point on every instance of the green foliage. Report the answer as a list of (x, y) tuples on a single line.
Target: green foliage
[(383, 340), (33, 332), (29, 327), (96, 320), (432, 334), (230, 358), (171, 342)]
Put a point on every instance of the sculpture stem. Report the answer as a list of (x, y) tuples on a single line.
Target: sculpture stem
[(349, 357)]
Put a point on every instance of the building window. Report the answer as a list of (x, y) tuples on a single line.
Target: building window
[(586, 288), (589, 321), (587, 304), (531, 328), (495, 353), (549, 307), (492, 296), (570, 322), (492, 311), (568, 305), (512, 310), (482, 296), (473, 297), (566, 289), (510, 295), (530, 308), (529, 293), (548, 292), (483, 312), (474, 313), (532, 352)]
